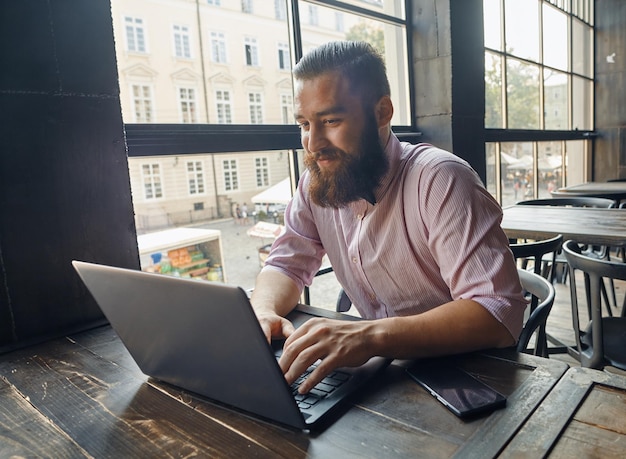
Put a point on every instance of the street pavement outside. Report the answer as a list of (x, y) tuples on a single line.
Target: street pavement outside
[(242, 265)]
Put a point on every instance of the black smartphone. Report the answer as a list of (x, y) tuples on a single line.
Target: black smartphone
[(458, 390)]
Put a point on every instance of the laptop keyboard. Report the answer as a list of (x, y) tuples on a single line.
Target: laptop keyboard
[(322, 390)]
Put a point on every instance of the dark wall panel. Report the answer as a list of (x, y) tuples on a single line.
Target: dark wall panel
[(64, 184)]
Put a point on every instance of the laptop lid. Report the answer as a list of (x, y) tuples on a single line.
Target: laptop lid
[(203, 337)]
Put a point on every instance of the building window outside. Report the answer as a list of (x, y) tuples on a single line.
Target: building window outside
[(214, 2), (187, 98), (231, 180), (195, 177), (182, 42), (255, 105), (247, 6), (313, 15), (262, 171), (252, 52), (151, 178), (218, 47), (339, 22), (284, 61), (135, 37), (280, 10), (286, 108), (142, 103), (224, 107)]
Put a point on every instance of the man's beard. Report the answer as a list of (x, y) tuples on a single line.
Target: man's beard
[(356, 176)]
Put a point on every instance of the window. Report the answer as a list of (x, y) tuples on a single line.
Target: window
[(195, 177), (218, 47), (187, 97), (142, 103), (339, 26), (135, 38), (538, 94), (262, 172), (246, 6), (223, 106), (255, 107), (283, 56), (286, 108), (151, 178), (249, 142), (182, 42), (231, 180), (252, 52), (280, 9), (313, 15)]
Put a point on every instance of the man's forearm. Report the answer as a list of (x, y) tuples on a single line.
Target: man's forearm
[(456, 327), (274, 292)]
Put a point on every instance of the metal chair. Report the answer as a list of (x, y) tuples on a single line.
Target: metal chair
[(542, 298), (543, 255), (603, 340)]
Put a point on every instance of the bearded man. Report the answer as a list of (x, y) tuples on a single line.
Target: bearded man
[(413, 236)]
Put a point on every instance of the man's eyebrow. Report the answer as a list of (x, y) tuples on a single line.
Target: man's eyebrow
[(337, 109)]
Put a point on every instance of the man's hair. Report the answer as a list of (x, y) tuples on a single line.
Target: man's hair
[(357, 61)]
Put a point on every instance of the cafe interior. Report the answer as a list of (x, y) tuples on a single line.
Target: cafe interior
[(546, 122)]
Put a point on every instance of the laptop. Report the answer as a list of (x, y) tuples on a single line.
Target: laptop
[(204, 337)]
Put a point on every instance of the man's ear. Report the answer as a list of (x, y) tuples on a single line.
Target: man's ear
[(384, 111)]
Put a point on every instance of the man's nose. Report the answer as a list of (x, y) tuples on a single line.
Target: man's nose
[(315, 139)]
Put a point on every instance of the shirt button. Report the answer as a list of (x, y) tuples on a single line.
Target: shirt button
[(354, 260), (359, 216)]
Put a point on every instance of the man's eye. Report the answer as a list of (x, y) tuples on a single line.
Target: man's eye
[(303, 126), (331, 122)]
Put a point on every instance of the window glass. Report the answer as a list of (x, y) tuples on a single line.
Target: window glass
[(492, 23), (550, 167), (522, 28), (555, 99), (387, 38), (219, 51), (582, 48), (555, 52), (493, 91), (203, 191), (517, 172), (582, 103), (522, 83)]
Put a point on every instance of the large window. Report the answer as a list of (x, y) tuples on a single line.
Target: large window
[(538, 95), (218, 73)]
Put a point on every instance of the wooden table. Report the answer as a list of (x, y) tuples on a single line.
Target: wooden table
[(610, 190), (584, 416), (583, 224), (83, 396)]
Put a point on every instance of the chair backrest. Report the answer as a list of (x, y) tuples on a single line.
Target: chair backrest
[(579, 201), (543, 291), (536, 250), (594, 347)]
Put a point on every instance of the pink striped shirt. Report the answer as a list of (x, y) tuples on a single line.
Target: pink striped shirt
[(433, 236)]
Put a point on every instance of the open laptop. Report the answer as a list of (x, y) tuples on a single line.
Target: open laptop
[(205, 338)]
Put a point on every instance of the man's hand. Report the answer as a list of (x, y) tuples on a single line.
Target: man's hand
[(274, 326), (336, 343)]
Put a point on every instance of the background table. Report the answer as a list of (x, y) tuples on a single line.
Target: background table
[(583, 224), (84, 397), (610, 190)]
